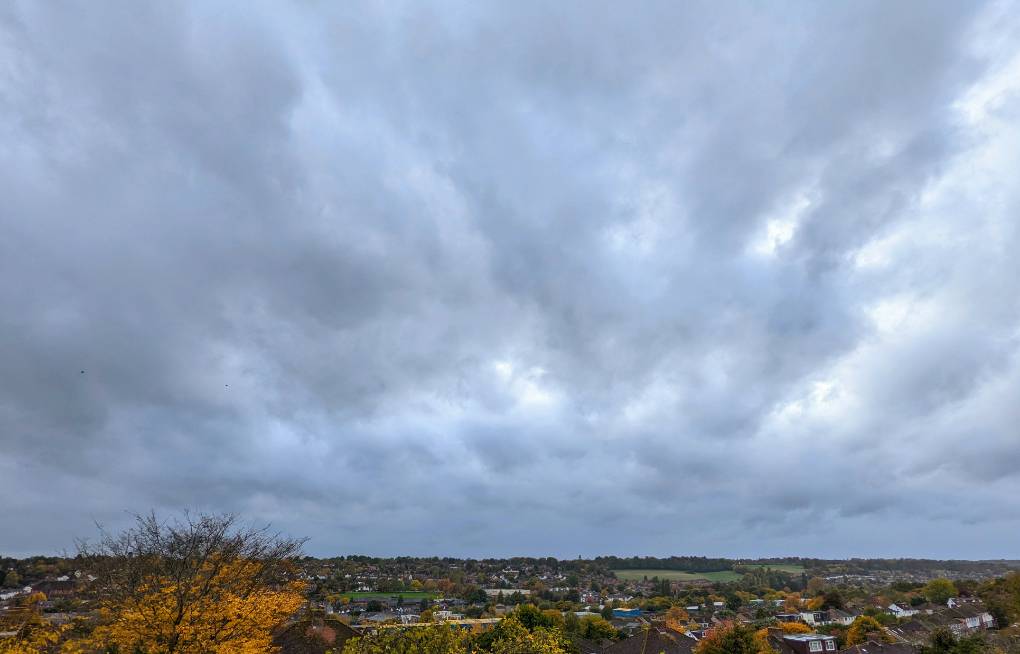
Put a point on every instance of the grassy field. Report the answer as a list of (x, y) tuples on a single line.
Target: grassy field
[(407, 595), (778, 567), (677, 575)]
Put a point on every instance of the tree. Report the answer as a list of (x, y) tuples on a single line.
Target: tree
[(865, 628), (193, 584), (1002, 597), (943, 641), (531, 617), (731, 638), (676, 619), (554, 618), (938, 591), (815, 586), (433, 639), (815, 603), (33, 633), (594, 627), (794, 628), (833, 599), (512, 637), (11, 579)]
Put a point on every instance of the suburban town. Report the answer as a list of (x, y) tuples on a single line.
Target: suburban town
[(605, 605)]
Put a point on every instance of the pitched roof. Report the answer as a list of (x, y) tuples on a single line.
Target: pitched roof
[(873, 647), (314, 635), (653, 641)]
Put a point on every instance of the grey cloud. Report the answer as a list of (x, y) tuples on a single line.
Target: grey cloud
[(479, 280)]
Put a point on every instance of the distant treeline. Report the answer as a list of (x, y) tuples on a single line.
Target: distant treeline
[(916, 565), (831, 566), (37, 567), (683, 563)]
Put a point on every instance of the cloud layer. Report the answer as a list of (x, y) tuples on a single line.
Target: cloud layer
[(508, 278)]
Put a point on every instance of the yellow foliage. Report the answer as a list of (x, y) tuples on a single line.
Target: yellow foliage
[(794, 628), (214, 613), (677, 619), (34, 635), (864, 627)]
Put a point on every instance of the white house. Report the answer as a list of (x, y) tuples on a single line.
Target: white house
[(901, 612)]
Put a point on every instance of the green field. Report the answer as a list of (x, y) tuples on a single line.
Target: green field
[(407, 595), (677, 575), (778, 567)]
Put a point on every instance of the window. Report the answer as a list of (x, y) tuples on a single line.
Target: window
[(830, 645), (815, 645)]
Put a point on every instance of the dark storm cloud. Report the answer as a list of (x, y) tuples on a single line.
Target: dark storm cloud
[(491, 279)]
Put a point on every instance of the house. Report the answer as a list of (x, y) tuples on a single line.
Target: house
[(971, 616), (837, 616), (585, 646), (653, 640), (313, 635), (54, 589), (901, 611), (913, 631), (813, 618), (801, 643), (872, 647), (626, 613), (506, 592), (964, 619)]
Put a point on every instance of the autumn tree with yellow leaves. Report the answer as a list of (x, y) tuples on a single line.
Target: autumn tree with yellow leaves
[(865, 628), (677, 619), (197, 584), (33, 634), (732, 638)]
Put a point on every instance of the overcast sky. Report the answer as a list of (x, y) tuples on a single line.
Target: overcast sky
[(493, 278)]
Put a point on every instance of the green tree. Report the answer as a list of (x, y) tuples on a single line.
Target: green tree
[(571, 624), (595, 627), (939, 590), (943, 641), (433, 639), (1002, 597), (512, 637), (833, 599), (531, 617), (11, 579)]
